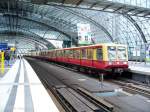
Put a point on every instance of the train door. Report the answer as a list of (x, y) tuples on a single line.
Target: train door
[(90, 57), (77, 56), (83, 56), (97, 57)]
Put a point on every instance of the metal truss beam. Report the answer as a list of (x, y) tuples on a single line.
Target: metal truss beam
[(28, 18), (136, 26), (23, 38), (89, 20), (106, 6), (30, 35)]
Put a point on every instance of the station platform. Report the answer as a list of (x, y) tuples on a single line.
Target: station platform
[(21, 90), (140, 71), (139, 67)]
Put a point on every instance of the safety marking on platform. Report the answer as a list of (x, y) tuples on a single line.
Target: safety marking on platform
[(17, 84), (82, 79), (19, 102), (11, 100), (148, 101), (27, 93)]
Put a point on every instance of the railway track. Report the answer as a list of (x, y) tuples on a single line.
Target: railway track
[(71, 97), (132, 88), (135, 82), (72, 68), (127, 85)]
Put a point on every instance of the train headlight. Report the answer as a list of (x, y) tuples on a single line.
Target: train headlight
[(110, 63), (125, 62), (117, 62)]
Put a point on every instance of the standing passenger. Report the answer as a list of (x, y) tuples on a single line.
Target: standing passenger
[(7, 57)]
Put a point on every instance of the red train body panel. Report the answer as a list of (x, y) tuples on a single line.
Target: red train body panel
[(101, 57)]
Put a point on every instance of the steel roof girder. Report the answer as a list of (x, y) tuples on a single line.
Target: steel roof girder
[(137, 27)]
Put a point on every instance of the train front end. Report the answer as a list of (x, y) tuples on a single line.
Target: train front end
[(116, 57)]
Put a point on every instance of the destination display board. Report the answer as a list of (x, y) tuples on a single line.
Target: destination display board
[(84, 34)]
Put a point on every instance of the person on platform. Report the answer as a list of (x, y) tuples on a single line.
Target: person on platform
[(7, 57)]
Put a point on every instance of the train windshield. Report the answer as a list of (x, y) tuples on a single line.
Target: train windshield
[(122, 53), (111, 53)]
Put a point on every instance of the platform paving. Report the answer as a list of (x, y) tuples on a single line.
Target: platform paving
[(134, 103), (22, 91), (141, 68)]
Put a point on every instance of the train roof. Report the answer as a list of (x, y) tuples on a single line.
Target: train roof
[(95, 45)]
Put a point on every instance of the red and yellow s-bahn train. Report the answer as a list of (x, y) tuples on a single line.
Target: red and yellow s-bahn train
[(102, 57)]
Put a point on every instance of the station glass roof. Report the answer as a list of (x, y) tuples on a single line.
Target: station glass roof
[(120, 21)]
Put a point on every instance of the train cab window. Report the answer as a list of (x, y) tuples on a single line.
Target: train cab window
[(121, 53), (99, 54), (84, 54), (112, 54)]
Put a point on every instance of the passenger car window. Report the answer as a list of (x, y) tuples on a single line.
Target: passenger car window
[(90, 53), (84, 54), (99, 54), (70, 53), (77, 54)]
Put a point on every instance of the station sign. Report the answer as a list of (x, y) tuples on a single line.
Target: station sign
[(3, 46), (84, 33)]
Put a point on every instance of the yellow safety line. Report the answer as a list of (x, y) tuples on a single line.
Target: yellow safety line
[(2, 63)]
